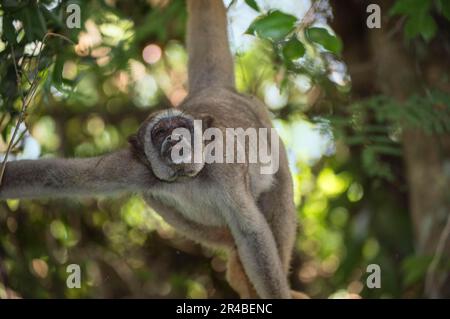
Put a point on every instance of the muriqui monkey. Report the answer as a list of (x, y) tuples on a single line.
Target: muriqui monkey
[(229, 205)]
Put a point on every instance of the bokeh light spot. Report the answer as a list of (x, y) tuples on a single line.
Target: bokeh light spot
[(152, 53)]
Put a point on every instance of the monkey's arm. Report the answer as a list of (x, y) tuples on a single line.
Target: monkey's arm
[(210, 61), (114, 172)]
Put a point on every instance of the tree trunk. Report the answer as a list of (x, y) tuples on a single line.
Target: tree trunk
[(379, 62), (426, 158)]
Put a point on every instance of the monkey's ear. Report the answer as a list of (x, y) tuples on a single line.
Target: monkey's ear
[(207, 121), (134, 142)]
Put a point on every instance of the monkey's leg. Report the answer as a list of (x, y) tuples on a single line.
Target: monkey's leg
[(279, 209), (213, 236), (255, 243), (281, 214), (237, 278)]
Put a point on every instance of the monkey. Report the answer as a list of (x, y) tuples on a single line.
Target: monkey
[(229, 205)]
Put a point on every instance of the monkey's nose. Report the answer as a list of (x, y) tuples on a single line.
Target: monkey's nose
[(167, 145), (173, 139)]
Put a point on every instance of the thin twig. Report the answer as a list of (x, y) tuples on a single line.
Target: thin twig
[(25, 99), (19, 139), (308, 18), (30, 58), (19, 120)]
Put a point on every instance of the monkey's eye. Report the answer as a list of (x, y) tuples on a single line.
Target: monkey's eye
[(159, 131)]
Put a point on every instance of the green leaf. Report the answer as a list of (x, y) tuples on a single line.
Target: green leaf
[(28, 25), (252, 4), (444, 8), (429, 27), (11, 4), (293, 49), (9, 31), (410, 7), (423, 24), (400, 7), (324, 38), (51, 16), (386, 150), (274, 26), (415, 269), (57, 77), (34, 23), (420, 20), (411, 29)]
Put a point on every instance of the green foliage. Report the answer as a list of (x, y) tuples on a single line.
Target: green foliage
[(377, 124), (415, 268), (349, 214), (252, 4), (443, 7), (302, 48), (293, 49), (273, 26), (321, 36), (419, 14)]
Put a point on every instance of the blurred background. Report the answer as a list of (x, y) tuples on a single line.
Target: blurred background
[(364, 111)]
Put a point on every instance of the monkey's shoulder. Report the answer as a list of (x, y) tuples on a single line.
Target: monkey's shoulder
[(229, 107)]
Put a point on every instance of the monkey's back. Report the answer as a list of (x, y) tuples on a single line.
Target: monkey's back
[(229, 108)]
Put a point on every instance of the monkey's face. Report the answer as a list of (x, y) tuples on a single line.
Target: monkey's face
[(167, 141), (174, 133)]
